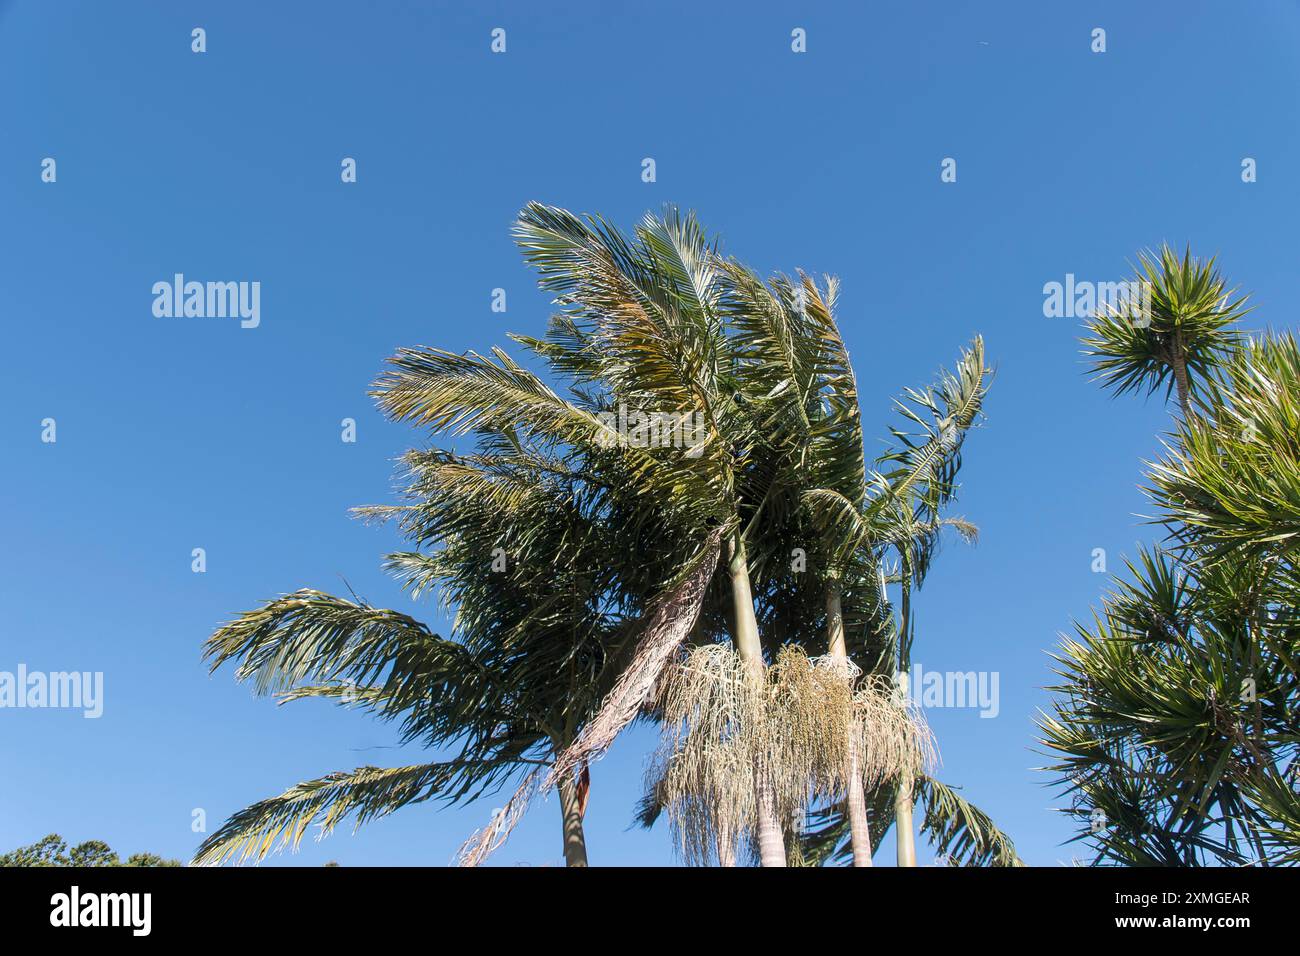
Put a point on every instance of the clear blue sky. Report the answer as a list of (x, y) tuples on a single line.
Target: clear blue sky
[(183, 433)]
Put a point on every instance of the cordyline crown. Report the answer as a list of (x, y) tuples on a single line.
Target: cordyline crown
[(750, 593), (1175, 725)]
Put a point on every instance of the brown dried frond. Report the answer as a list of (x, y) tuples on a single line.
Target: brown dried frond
[(668, 620), (484, 841)]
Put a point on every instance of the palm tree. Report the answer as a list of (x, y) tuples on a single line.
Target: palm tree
[(918, 481), (1175, 726), (891, 528), (1177, 338), (798, 385), (506, 536), (647, 311), (647, 322), (640, 328), (611, 547), (513, 538), (798, 377)]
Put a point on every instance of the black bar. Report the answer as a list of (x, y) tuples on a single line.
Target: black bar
[(470, 909)]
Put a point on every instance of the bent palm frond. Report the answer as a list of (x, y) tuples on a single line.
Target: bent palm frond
[(272, 825)]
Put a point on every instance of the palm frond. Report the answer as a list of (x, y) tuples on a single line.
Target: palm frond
[(961, 831), (281, 822)]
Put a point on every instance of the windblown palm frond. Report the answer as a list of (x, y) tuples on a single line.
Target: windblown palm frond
[(924, 463), (915, 479), (800, 393), (643, 311), (281, 822), (311, 636)]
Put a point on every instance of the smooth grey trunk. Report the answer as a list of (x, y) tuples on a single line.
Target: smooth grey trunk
[(575, 842), (855, 800), (903, 822), (771, 840), (904, 835)]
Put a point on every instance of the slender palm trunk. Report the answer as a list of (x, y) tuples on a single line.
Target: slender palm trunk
[(575, 842), (905, 836), (771, 840), (903, 822), (855, 801)]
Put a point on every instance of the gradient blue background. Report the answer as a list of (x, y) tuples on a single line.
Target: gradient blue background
[(183, 433)]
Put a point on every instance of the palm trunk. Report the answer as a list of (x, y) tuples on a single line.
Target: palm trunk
[(1178, 360), (771, 841), (575, 842), (903, 822), (904, 834), (855, 800)]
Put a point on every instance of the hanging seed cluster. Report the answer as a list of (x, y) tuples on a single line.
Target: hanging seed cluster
[(793, 728)]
